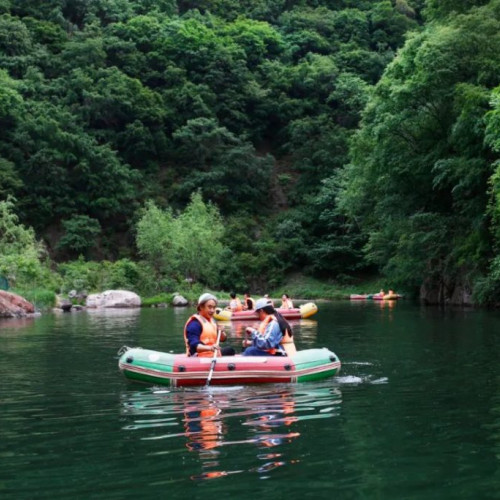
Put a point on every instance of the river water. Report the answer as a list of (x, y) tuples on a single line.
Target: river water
[(414, 412)]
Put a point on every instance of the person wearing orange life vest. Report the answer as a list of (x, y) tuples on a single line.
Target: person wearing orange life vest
[(273, 336), (200, 331), (235, 303)]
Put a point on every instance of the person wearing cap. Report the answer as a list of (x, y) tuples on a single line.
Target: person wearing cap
[(200, 330), (266, 339)]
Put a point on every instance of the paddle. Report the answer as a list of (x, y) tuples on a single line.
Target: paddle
[(214, 360)]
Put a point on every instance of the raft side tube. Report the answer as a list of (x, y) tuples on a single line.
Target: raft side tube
[(308, 309), (222, 314)]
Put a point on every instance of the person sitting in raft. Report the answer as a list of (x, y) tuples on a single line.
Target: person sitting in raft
[(234, 303), (248, 302), (200, 330), (272, 337), (379, 294), (286, 302), (266, 296)]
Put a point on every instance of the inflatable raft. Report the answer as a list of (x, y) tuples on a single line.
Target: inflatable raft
[(179, 370), (302, 312), (375, 296)]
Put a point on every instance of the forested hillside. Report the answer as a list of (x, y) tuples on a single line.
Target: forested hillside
[(329, 137)]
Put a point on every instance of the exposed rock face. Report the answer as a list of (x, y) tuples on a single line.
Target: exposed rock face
[(114, 298), (446, 293), (14, 306)]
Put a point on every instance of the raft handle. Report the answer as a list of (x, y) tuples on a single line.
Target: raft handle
[(130, 359), (287, 367), (182, 368), (231, 366), (333, 359)]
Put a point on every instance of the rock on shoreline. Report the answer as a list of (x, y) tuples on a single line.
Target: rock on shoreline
[(14, 306), (113, 298)]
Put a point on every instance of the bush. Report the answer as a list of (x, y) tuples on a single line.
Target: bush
[(90, 276), (41, 298)]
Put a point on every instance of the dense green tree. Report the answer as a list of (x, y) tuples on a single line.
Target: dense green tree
[(187, 246), (225, 168), (65, 171), (417, 184), (104, 104), (80, 234), (21, 253)]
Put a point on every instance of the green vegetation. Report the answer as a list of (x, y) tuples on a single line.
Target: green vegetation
[(236, 145)]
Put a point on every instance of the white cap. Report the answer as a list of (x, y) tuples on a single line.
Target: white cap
[(205, 297), (261, 303)]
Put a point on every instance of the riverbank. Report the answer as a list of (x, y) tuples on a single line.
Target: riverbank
[(300, 288)]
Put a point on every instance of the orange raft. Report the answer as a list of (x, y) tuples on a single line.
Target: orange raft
[(302, 312)]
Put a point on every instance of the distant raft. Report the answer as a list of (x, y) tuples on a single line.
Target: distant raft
[(302, 312), (178, 370), (374, 296)]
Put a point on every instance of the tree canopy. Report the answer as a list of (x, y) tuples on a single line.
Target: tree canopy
[(332, 138)]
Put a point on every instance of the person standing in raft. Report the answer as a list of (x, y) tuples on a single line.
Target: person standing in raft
[(286, 302), (200, 331), (272, 337), (234, 303)]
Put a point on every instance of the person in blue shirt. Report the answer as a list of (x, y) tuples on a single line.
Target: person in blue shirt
[(200, 331), (266, 339)]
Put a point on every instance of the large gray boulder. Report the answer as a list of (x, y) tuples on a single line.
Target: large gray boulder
[(14, 306), (113, 299), (179, 301)]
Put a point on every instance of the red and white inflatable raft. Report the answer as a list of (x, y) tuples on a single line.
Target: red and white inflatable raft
[(179, 370), (302, 312)]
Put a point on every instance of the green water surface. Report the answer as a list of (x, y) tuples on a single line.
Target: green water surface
[(414, 413)]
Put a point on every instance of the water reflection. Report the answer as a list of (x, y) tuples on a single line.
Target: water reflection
[(113, 318), (257, 422), (16, 323)]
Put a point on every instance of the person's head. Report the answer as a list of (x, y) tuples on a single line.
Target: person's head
[(264, 307), (246, 295), (285, 296), (232, 295), (207, 304)]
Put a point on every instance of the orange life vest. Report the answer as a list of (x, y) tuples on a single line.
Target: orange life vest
[(287, 340), (262, 329), (208, 334), (235, 305)]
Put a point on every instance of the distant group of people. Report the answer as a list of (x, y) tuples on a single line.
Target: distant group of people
[(235, 304), (272, 336), (248, 304), (383, 294)]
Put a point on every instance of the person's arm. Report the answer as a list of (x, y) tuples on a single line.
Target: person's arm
[(270, 338), (193, 332)]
